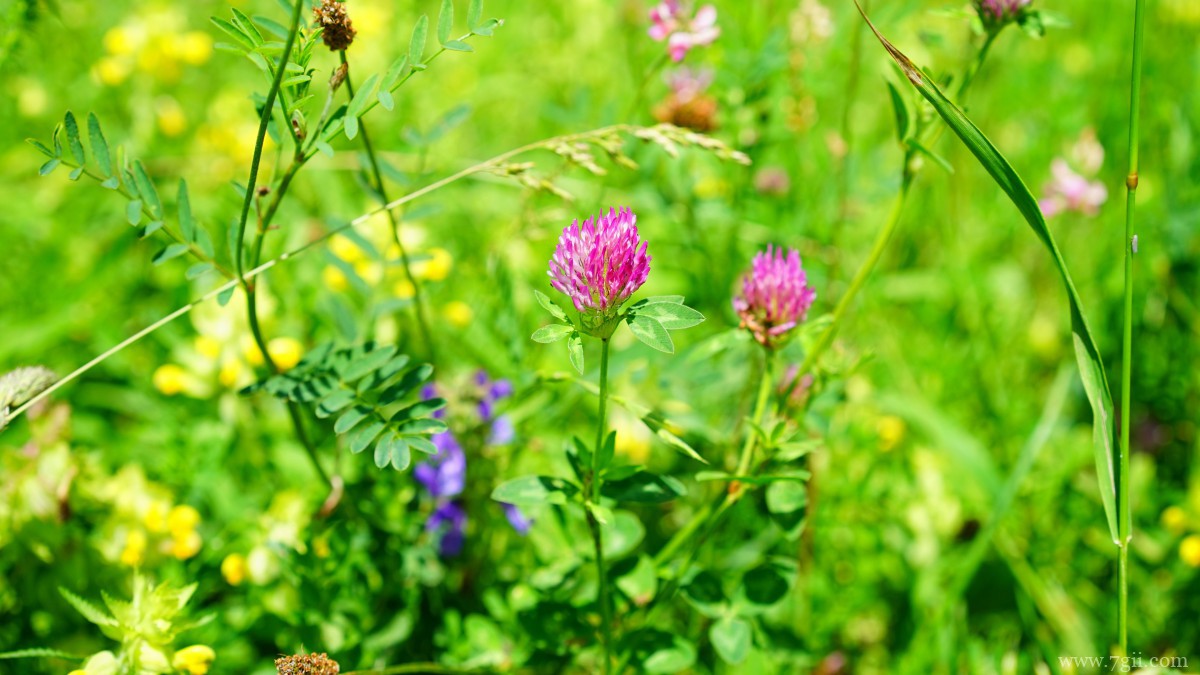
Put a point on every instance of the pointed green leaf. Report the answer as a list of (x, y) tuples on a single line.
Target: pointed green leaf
[(49, 166), (900, 109), (534, 490), (99, 145), (575, 351), (552, 333), (147, 190), (363, 96), (445, 21), (644, 487), (416, 45), (1087, 354), (364, 436), (549, 306), (474, 13), (169, 253), (198, 270), (41, 147), (350, 124), (651, 332), (350, 419), (671, 316), (187, 224), (73, 141), (731, 639), (457, 46)]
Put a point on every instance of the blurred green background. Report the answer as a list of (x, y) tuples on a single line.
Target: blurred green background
[(951, 353)]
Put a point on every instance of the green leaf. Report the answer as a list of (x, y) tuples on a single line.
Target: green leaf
[(49, 166), (363, 96), (112, 182), (133, 212), (369, 363), (485, 29), (548, 304), (643, 487), (474, 13), (651, 333), (99, 145), (73, 140), (704, 592), (233, 32), (457, 46), (575, 351), (41, 147), (198, 270), (226, 295), (87, 609), (385, 99), (640, 583), (764, 585), (147, 190), (40, 653), (622, 533), (535, 490), (394, 73), (392, 449), (350, 419), (1087, 354), (671, 316), (731, 639), (606, 451), (416, 45), (552, 333), (360, 439), (445, 21), (154, 226), (169, 253), (247, 27), (350, 124), (900, 109), (187, 224), (937, 159), (337, 401), (786, 496)]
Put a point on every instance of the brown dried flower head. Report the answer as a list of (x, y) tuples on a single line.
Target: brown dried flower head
[(306, 664), (339, 30)]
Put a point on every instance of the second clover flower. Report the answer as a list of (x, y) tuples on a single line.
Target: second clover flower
[(775, 296)]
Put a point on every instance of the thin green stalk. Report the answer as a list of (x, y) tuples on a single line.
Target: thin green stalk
[(603, 598), (1124, 526), (418, 301), (860, 277), (973, 70), (640, 96)]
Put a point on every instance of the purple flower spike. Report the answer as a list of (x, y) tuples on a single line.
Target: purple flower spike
[(450, 520), (775, 296), (601, 263), (446, 474), (517, 519)]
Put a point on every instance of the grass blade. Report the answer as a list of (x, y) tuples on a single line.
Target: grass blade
[(1087, 355)]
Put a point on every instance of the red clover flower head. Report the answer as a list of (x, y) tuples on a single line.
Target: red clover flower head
[(997, 13), (600, 263), (775, 296)]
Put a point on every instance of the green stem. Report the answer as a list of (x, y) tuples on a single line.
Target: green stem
[(641, 90), (603, 598), (973, 69), (418, 301), (1124, 526), (860, 277)]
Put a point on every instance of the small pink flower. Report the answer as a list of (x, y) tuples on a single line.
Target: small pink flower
[(670, 22), (775, 296), (601, 263), (996, 13), (1069, 191)]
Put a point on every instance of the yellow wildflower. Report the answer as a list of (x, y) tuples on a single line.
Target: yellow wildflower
[(182, 519), (403, 289), (334, 278), (369, 271), (458, 313), (286, 352), (170, 379), (171, 120), (1175, 519), (111, 71), (436, 267), (186, 545), (155, 517), (122, 40), (208, 347), (230, 373), (233, 568), (890, 430), (194, 47), (194, 660), (345, 248), (1189, 550), (135, 548)]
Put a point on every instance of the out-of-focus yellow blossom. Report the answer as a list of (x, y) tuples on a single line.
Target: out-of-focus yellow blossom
[(345, 248), (77, 672), (321, 547), (251, 352), (369, 271), (436, 267), (1175, 519), (1189, 550), (233, 568), (334, 279), (170, 379), (111, 71), (135, 548), (286, 352), (262, 565), (711, 188), (1181, 11), (194, 660), (1044, 337), (155, 517), (403, 289), (186, 545), (633, 439), (31, 97), (458, 313), (194, 47), (122, 40), (208, 347), (890, 430), (182, 519), (231, 371), (102, 663), (171, 120)]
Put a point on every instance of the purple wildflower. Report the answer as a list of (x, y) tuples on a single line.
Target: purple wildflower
[(601, 263), (445, 475), (450, 520), (775, 296), (517, 519), (502, 432), (671, 22), (996, 13)]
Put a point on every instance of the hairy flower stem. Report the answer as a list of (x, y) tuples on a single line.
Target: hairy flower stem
[(603, 598), (1124, 526), (418, 302)]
